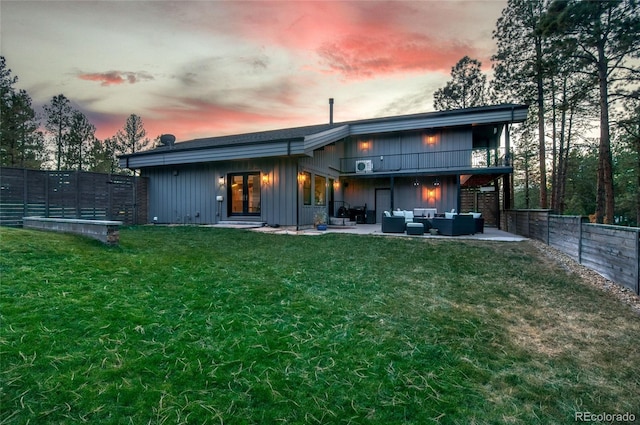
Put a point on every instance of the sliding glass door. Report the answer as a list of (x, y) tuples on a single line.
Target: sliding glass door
[(244, 194)]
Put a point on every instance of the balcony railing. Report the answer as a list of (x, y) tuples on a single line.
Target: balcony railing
[(425, 161)]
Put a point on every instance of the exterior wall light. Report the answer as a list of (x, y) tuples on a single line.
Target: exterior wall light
[(430, 195), (265, 179), (221, 181), (430, 138)]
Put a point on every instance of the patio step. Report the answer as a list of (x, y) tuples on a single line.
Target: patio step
[(240, 223), (339, 221)]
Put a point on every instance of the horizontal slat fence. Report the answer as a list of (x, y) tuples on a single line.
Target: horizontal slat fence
[(612, 251), (564, 234), (71, 194)]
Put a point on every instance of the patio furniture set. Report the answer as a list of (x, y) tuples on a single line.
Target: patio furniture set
[(423, 220)]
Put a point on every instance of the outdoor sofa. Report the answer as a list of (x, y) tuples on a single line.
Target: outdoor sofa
[(452, 224), (458, 224), (396, 221)]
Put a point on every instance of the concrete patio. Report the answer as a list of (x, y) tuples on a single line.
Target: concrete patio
[(490, 233)]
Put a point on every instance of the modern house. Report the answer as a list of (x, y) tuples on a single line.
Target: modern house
[(447, 160)]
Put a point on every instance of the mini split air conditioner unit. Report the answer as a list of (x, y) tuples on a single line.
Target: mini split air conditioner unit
[(364, 166)]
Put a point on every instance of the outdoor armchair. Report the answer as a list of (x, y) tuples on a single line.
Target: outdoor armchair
[(393, 224)]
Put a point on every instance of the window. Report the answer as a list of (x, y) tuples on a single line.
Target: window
[(306, 188), (320, 190)]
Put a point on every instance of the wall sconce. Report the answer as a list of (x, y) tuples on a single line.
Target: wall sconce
[(430, 195), (221, 181), (302, 178), (336, 185), (265, 179), (430, 138), (365, 145)]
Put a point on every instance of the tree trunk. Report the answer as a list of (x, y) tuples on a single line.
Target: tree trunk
[(526, 181), (564, 157), (554, 153), (605, 203), (542, 150), (637, 144), (558, 188)]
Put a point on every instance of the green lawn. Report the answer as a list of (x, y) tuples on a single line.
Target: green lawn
[(201, 325)]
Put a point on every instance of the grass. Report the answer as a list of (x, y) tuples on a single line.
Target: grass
[(199, 325)]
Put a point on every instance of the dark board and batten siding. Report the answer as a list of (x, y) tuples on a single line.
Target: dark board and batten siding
[(182, 195), (186, 194), (612, 251)]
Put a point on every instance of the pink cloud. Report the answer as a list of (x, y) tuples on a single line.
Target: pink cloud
[(366, 57), (115, 77), (362, 40)]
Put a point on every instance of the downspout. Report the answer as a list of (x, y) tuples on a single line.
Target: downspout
[(458, 201), (392, 189), (297, 197)]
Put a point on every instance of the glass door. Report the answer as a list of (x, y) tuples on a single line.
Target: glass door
[(244, 194)]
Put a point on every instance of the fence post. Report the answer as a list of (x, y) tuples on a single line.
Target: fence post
[(579, 239), (110, 197), (638, 263), (47, 176), (548, 225), (135, 200), (78, 209), (25, 193)]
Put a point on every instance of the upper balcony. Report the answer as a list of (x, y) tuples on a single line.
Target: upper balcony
[(467, 161)]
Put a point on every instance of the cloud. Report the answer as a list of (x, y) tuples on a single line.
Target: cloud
[(116, 77), (364, 40), (357, 56), (408, 103)]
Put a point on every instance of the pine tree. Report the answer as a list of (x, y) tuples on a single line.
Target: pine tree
[(132, 137), (466, 89), (521, 67), (21, 144), (58, 124), (80, 139), (603, 36)]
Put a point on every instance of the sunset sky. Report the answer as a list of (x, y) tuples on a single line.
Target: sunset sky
[(209, 68)]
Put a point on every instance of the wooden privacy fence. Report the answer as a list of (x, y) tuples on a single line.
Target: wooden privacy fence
[(71, 194), (612, 251)]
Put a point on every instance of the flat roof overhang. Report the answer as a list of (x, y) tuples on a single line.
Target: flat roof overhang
[(494, 172)]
